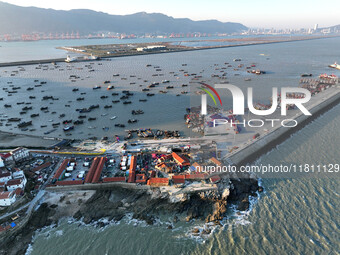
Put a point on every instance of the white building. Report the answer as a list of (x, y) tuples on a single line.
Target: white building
[(7, 198), (18, 173), (7, 158), (6, 176), (20, 154), (13, 184)]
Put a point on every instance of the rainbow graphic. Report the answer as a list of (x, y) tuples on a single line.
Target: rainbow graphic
[(210, 94)]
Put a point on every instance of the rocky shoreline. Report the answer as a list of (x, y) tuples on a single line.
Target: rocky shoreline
[(92, 206)]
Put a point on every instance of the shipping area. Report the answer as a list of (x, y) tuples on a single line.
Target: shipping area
[(176, 167), (154, 160)]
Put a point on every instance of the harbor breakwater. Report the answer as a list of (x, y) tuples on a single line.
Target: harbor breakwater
[(56, 60)]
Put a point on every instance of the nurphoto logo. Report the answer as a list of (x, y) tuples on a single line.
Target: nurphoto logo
[(238, 99)]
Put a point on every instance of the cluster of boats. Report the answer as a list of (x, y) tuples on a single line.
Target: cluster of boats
[(149, 133)]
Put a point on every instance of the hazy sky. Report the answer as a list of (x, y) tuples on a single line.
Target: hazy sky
[(252, 13)]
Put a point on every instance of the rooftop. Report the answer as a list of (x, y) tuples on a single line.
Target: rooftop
[(6, 194)]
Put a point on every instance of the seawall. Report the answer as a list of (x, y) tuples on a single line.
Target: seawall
[(99, 186)]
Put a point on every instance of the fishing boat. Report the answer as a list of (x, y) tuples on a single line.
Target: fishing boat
[(110, 87), (24, 124), (306, 75), (70, 59), (68, 128), (14, 119), (137, 112), (335, 65), (78, 122), (94, 106), (113, 117)]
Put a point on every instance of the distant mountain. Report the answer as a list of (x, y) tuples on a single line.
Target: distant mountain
[(21, 20)]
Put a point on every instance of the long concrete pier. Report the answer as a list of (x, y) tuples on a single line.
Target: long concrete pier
[(135, 53)]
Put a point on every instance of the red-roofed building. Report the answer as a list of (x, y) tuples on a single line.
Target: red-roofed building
[(92, 170), (165, 157), (156, 182), (59, 173), (215, 179), (216, 161), (19, 192), (132, 171), (132, 176), (7, 198), (165, 167), (178, 179), (16, 183), (152, 173), (6, 157), (195, 177), (114, 179), (133, 163), (66, 183), (99, 170), (140, 178), (6, 176), (197, 167), (43, 166), (181, 160)]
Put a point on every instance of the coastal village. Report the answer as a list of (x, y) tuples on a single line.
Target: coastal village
[(25, 173), (162, 163)]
